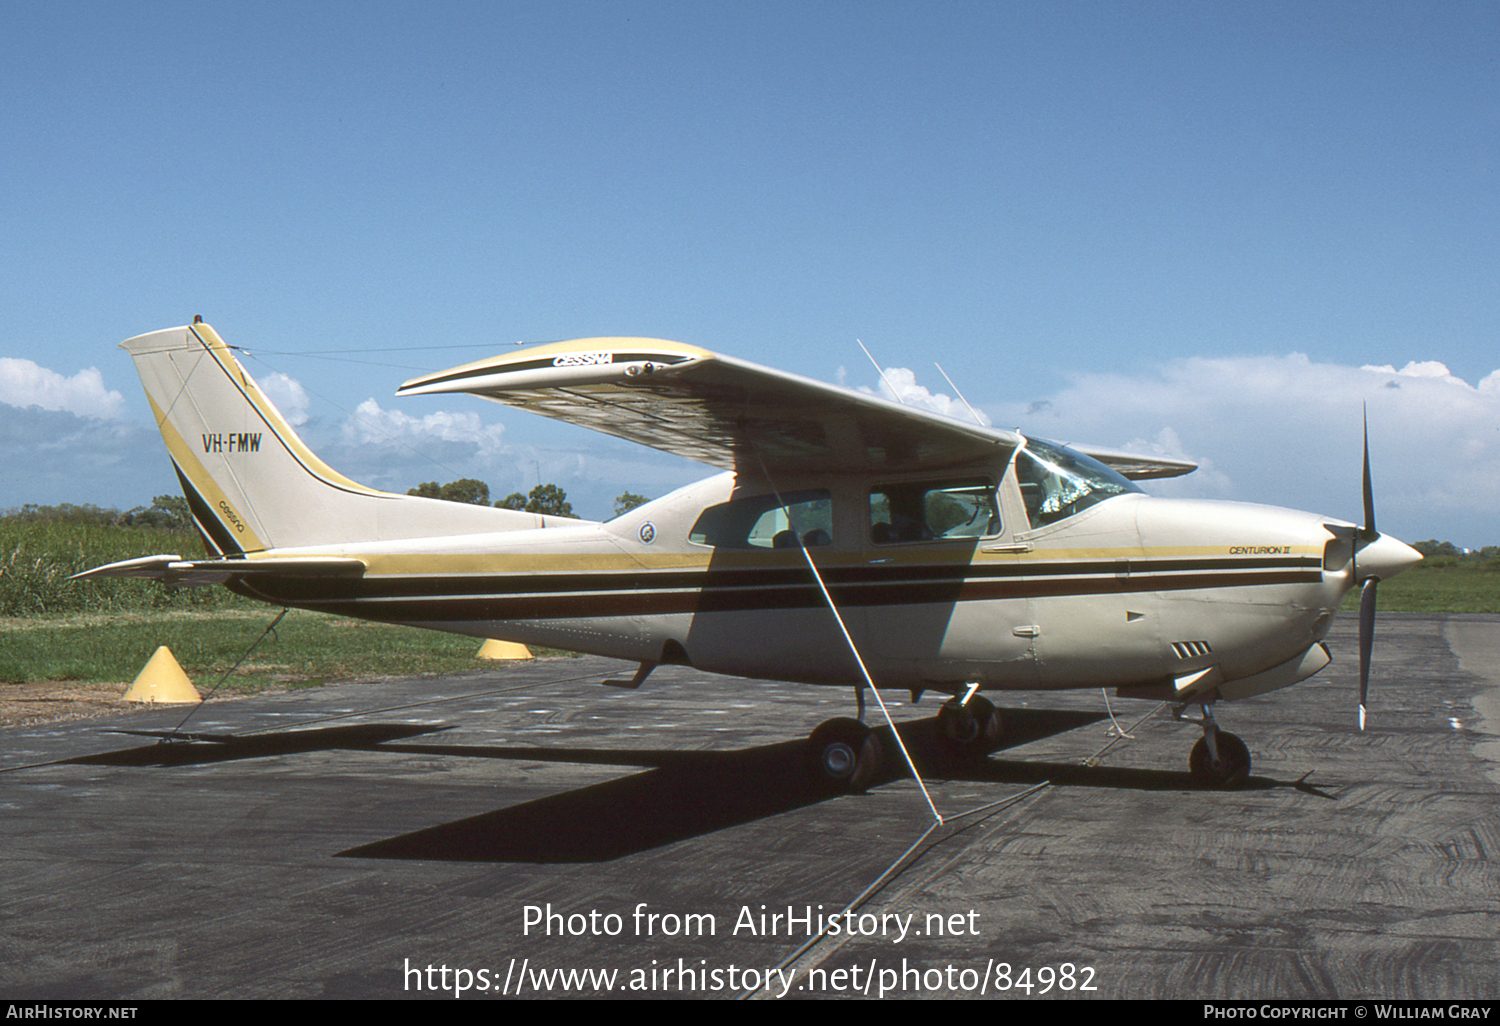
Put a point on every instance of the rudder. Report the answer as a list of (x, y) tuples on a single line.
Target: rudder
[(250, 480)]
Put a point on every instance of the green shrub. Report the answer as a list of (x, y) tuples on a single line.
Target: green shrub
[(39, 554)]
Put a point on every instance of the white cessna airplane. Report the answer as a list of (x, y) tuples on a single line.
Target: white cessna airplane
[(849, 541)]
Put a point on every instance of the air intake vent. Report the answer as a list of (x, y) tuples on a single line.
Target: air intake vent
[(1191, 649)]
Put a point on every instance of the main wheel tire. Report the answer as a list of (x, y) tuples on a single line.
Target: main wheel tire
[(994, 725), (845, 755), (1231, 768), (970, 730)]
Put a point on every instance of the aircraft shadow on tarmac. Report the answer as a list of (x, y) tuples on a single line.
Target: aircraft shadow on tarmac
[(690, 794), (682, 794)]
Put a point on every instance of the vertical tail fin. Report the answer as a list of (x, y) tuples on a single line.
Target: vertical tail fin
[(251, 481)]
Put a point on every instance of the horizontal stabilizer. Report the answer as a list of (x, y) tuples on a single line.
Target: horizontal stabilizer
[(178, 571)]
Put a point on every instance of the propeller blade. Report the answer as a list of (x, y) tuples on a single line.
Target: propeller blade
[(1368, 532), (1366, 640), (1367, 535)]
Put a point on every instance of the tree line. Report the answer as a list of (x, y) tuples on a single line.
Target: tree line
[(171, 512), (1443, 553), (547, 499), (166, 513)]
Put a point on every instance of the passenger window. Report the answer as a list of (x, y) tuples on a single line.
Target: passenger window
[(921, 512), (762, 522)]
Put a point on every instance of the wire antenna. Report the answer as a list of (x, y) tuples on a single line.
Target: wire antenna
[(956, 392), (882, 374)]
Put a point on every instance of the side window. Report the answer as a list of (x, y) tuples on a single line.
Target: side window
[(928, 510), (762, 522)]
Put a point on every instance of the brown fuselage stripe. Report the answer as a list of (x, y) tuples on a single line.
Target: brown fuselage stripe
[(545, 596)]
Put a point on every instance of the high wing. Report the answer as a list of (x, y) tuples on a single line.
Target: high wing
[(717, 410), (734, 414)]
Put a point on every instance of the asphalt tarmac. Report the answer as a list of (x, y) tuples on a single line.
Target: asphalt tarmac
[(529, 831)]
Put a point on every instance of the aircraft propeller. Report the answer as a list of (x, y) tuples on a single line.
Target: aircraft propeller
[(1382, 557)]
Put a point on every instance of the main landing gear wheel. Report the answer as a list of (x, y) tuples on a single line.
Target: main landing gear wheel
[(1230, 768), (971, 730), (844, 754)]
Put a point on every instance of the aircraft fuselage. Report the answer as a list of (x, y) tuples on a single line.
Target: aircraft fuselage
[(1134, 592)]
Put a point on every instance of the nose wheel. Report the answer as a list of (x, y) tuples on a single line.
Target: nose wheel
[(1219, 759), (1226, 768)]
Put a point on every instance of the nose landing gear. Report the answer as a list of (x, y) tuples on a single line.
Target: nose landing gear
[(1219, 759)]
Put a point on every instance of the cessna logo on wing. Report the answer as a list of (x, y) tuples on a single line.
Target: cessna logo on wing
[(232, 441), (582, 359)]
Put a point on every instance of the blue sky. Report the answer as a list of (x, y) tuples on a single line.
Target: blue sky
[(1184, 226)]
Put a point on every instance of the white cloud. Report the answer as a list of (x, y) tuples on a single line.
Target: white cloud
[(393, 450), (1286, 430), (1417, 369), (53, 456), (24, 383), (899, 384), (288, 396), (371, 425), (1207, 482)]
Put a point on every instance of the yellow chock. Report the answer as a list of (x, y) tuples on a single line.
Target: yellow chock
[(493, 649), (162, 680)]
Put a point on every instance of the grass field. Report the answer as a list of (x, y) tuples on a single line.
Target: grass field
[(37, 557), (1452, 589), (305, 648), (52, 628), (104, 630)]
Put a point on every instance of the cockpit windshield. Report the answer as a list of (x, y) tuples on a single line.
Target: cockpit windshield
[(1057, 482)]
